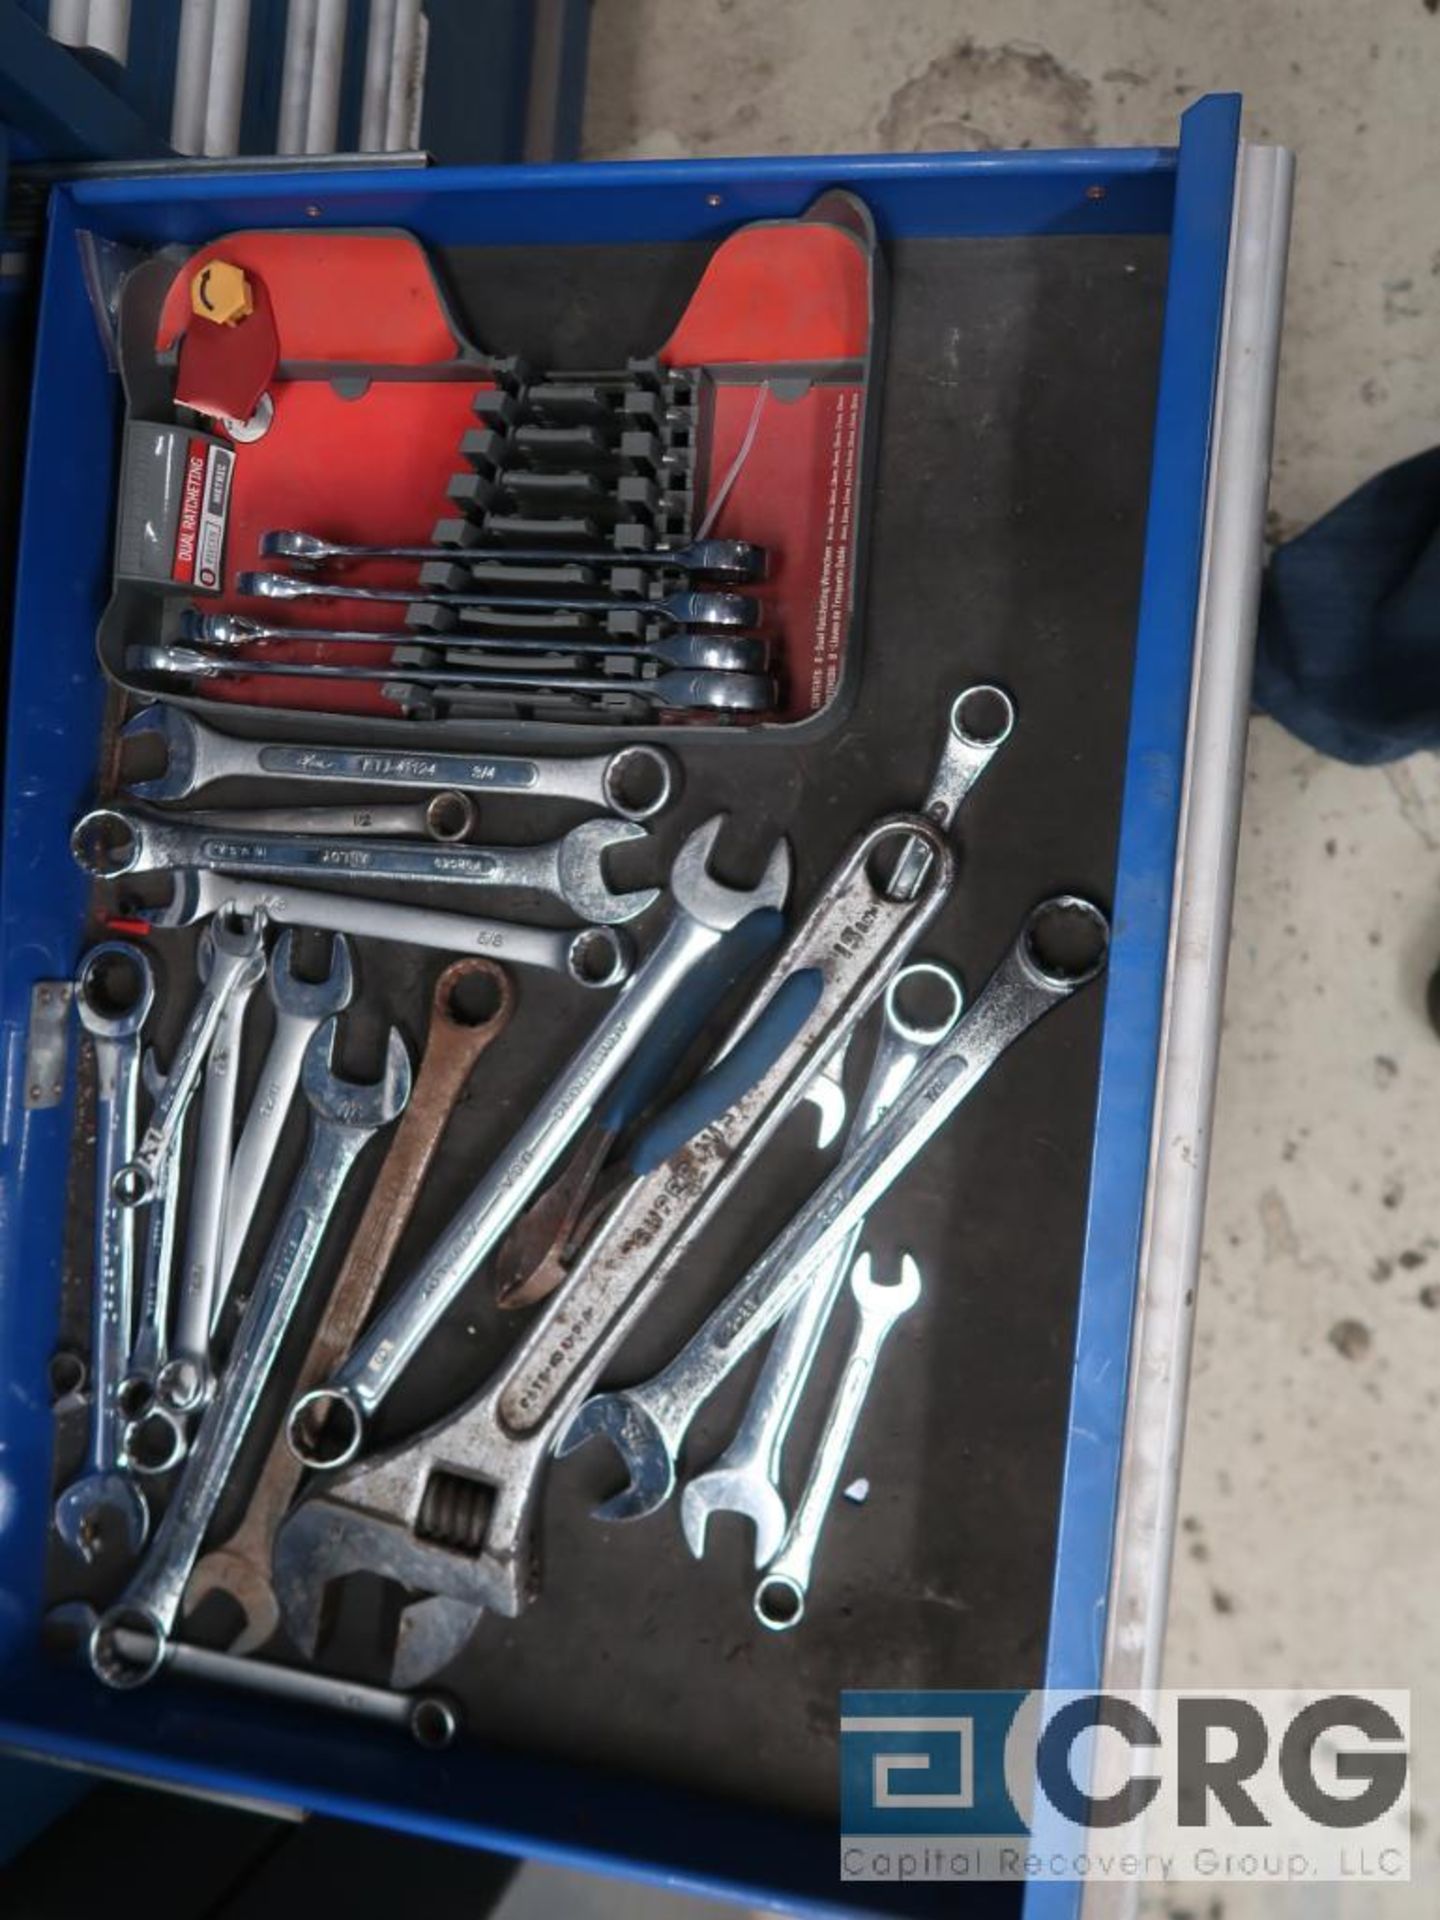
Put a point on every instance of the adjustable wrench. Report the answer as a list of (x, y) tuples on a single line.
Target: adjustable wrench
[(704, 911), (738, 560), (590, 956), (241, 1566), (450, 1514), (344, 1116), (634, 782), (108, 843), (647, 1424), (113, 995), (780, 1593), (746, 1477), (301, 1007), (236, 940), (445, 816), (685, 609), (185, 1381)]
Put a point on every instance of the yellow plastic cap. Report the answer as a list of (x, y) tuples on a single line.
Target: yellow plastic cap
[(220, 292)]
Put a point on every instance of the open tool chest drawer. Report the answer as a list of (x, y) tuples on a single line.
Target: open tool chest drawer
[(1068, 433)]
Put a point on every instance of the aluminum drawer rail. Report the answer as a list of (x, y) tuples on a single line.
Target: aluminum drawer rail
[(1199, 944)]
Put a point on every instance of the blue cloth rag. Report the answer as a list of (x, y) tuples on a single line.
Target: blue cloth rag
[(1348, 652)]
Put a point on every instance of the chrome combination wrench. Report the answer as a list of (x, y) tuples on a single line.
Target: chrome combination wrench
[(447, 816), (186, 1380), (713, 652), (110, 843), (690, 608), (781, 1591), (114, 992), (737, 560), (431, 1719), (634, 782), (673, 689), (301, 1008), (596, 957)]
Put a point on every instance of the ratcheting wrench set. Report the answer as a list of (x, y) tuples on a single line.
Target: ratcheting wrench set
[(355, 511), (486, 1056), (255, 1308)]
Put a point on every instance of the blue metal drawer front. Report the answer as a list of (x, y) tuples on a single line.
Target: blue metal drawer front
[(473, 1794)]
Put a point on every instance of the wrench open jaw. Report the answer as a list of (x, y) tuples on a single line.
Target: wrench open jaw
[(647, 1452), (183, 739), (451, 1513), (737, 1490)]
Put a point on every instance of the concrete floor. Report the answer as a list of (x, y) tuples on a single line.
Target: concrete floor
[(1309, 1551)]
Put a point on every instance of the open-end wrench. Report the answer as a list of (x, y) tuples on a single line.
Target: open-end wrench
[(647, 1424), (672, 690), (241, 1565), (431, 1719), (301, 1007), (109, 843), (445, 816), (236, 939), (185, 1381), (113, 995), (590, 956), (718, 652), (746, 1478), (450, 1514), (343, 1118), (704, 911), (634, 782), (738, 560), (781, 1590), (730, 611)]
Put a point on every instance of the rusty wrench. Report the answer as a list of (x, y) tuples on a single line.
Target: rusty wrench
[(240, 1566)]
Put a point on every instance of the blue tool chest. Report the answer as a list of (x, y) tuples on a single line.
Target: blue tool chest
[(1144, 241)]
